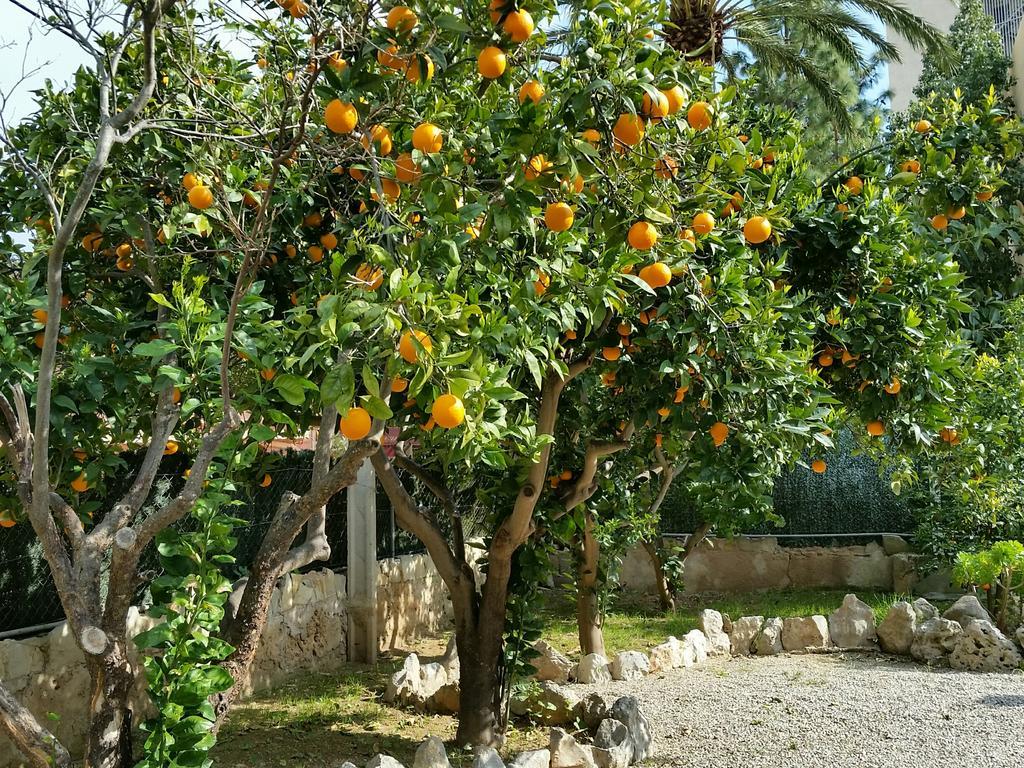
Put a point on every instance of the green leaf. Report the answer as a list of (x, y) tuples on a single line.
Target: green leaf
[(339, 386), (292, 388), (376, 407), (154, 348)]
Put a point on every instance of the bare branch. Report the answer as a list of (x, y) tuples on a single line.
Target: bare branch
[(35, 742)]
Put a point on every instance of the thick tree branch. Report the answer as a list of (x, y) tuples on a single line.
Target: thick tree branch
[(37, 744)]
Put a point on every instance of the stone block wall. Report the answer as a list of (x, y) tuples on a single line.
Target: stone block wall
[(306, 631), (750, 564)]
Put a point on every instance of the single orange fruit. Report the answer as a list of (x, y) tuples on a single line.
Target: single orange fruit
[(656, 108), (612, 353), (922, 126), (420, 69), (380, 138), (427, 138), (540, 285), (699, 115), (628, 130), (819, 466), (825, 359), (642, 236), (316, 253), (92, 242), (518, 26), (984, 195), (406, 169), (939, 221), (910, 166), (680, 394), (894, 386), (40, 316), (956, 212), (656, 275), (355, 424), (719, 432), (189, 180), (666, 168), (268, 373), (591, 135), (329, 240), (266, 481), (531, 90), (370, 278), (676, 97), (854, 184), (876, 428), (200, 197), (402, 19), (171, 447), (491, 62), (448, 411), (703, 223), (757, 229), (399, 384), (341, 116), (407, 347), (558, 217), (80, 484)]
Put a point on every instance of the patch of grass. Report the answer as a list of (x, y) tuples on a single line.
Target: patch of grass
[(322, 720), (634, 621)]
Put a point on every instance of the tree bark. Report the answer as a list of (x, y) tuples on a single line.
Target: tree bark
[(38, 745), (665, 597), (695, 538), (109, 738), (589, 617)]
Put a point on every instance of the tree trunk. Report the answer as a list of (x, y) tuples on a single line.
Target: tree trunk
[(589, 619), (108, 738), (665, 598), (695, 538), (480, 694)]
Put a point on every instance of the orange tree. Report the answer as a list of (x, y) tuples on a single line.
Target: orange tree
[(529, 195), (176, 299)]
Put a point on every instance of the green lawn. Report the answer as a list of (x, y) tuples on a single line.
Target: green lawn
[(319, 721)]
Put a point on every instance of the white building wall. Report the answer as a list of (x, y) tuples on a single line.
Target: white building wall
[(904, 74)]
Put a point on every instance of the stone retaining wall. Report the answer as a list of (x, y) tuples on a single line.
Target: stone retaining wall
[(746, 564), (306, 631)]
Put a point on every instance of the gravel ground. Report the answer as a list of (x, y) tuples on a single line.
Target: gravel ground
[(831, 710)]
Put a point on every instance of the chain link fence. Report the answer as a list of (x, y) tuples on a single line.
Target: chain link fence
[(30, 599)]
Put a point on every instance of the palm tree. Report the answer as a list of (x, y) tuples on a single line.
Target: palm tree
[(699, 28)]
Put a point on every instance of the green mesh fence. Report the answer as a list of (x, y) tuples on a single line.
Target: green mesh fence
[(845, 505)]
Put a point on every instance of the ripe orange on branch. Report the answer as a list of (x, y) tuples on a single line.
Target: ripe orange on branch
[(676, 97), (642, 235), (719, 432), (407, 347), (699, 115), (402, 19), (491, 62), (558, 217), (656, 275), (427, 138), (628, 129), (200, 196), (703, 223), (518, 26), (757, 229), (531, 90), (448, 411), (341, 116), (355, 424)]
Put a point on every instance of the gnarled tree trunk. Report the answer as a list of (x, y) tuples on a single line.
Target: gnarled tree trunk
[(589, 618)]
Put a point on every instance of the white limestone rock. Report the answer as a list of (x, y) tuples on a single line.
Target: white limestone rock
[(712, 625), (551, 664), (534, 758), (896, 632), (666, 656), (769, 640), (852, 625), (695, 648), (934, 639), (983, 648), (805, 633), (383, 761), (594, 669), (487, 757), (965, 610), (566, 752), (743, 633), (431, 754), (629, 665)]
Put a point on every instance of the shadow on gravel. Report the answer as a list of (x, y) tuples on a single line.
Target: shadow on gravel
[(1002, 700)]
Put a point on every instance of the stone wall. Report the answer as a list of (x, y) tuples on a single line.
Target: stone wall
[(748, 564), (306, 631)]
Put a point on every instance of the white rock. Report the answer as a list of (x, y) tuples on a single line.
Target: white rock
[(534, 758), (666, 656), (629, 665), (405, 680), (613, 746), (445, 699), (566, 751), (551, 664), (1020, 636), (924, 610), (347, 764), (383, 761), (806, 633), (593, 668), (769, 640), (487, 757), (934, 639), (712, 625), (431, 754), (965, 610), (695, 648), (742, 634), (896, 632), (983, 648), (627, 711), (852, 625)]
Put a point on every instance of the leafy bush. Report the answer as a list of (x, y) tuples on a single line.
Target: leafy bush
[(999, 571)]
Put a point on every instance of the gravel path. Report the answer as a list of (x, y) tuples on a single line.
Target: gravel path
[(831, 711)]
